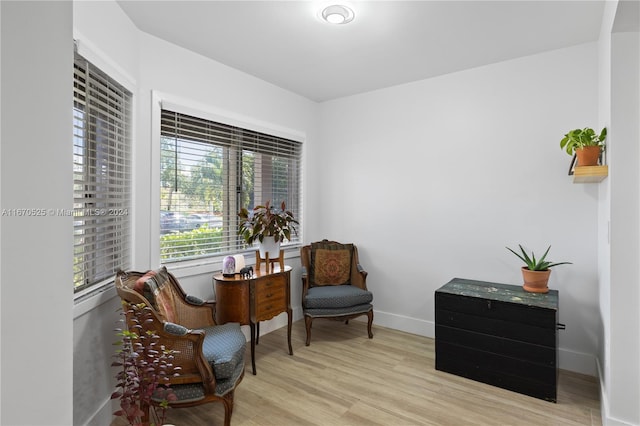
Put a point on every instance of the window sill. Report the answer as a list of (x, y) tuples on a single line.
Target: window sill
[(89, 299), (213, 264)]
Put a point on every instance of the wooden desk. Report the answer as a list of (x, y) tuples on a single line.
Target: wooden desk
[(499, 334), (251, 300)]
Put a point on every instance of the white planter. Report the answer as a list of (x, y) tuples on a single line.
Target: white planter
[(270, 246)]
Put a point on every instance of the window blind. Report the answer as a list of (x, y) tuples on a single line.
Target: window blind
[(101, 175), (209, 170)]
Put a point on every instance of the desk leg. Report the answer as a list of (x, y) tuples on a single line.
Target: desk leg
[(289, 331), (253, 346), (258, 333)]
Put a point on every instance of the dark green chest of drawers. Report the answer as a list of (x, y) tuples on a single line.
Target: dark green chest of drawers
[(498, 334)]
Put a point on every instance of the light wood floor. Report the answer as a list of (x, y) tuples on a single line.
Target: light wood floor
[(344, 378)]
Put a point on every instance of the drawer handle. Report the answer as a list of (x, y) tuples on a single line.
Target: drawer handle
[(268, 307), (268, 295), (561, 326)]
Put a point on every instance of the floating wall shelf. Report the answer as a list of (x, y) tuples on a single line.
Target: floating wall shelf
[(590, 174)]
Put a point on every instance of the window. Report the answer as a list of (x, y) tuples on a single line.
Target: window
[(208, 171), (101, 175)]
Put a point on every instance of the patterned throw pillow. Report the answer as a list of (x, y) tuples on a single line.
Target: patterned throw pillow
[(143, 289), (330, 263), (155, 286)]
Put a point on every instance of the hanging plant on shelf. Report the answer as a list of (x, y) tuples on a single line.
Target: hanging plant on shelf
[(586, 144)]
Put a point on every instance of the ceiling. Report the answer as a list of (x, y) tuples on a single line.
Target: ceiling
[(388, 43)]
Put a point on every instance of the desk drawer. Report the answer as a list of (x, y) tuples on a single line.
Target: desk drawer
[(271, 288), (268, 308)]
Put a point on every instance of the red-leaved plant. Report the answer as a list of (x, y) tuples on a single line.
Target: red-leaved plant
[(146, 367), (266, 221)]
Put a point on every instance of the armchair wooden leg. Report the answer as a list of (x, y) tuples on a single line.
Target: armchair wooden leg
[(307, 323), (227, 401), (369, 323)]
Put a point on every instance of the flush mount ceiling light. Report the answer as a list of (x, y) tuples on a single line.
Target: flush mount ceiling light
[(337, 14)]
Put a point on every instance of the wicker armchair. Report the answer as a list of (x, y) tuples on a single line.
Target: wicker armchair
[(334, 284), (211, 357)]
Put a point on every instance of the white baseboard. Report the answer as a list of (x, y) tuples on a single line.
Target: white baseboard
[(604, 402), (578, 362), (404, 323)]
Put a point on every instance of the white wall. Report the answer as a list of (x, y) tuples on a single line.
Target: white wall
[(604, 264), (37, 250), (433, 179), (619, 87), (624, 350), (156, 70)]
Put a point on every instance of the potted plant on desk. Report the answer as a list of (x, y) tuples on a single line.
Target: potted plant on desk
[(536, 272), (269, 226)]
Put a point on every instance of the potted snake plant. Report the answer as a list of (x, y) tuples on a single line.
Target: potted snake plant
[(585, 143), (536, 272), (267, 225)]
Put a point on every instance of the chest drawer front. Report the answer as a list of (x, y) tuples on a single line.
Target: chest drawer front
[(491, 361), (505, 372), (494, 309), (497, 327), (527, 352)]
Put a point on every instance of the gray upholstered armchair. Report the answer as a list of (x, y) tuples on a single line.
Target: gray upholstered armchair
[(210, 356), (333, 284)]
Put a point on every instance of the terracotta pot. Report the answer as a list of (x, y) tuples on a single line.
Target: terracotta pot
[(535, 281), (588, 156)]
